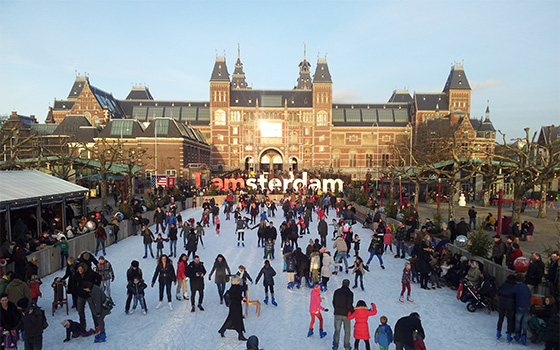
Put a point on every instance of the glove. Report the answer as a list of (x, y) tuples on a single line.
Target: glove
[(209, 278), (112, 280), (152, 284), (6, 333), (326, 310), (13, 332)]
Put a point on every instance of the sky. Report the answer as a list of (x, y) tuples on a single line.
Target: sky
[(510, 50)]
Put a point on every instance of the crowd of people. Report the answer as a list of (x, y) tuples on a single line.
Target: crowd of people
[(428, 263)]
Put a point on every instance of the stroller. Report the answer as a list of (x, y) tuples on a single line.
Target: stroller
[(479, 297), (368, 221)]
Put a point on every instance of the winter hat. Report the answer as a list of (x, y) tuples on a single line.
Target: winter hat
[(317, 287), (134, 263), (322, 250), (253, 342), (2, 262), (65, 323), (311, 241), (23, 303)]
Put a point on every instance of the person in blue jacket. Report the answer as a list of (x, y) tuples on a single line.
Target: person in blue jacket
[(522, 295), (383, 334)]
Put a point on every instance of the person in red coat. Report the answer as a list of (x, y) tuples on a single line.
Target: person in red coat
[(361, 328), (182, 277), (515, 253)]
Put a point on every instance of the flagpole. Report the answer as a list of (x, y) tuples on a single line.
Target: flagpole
[(155, 143)]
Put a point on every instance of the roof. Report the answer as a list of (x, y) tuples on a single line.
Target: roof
[(238, 79), (389, 114), (271, 98), (304, 79), (402, 96), (78, 86), (170, 128), (482, 125), (431, 101), (70, 125), (554, 134), (106, 100), (457, 79), (220, 72), (194, 113), (139, 93), (322, 74), (122, 128), (23, 187), (43, 129), (86, 133), (63, 105)]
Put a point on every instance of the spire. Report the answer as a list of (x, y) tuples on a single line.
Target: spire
[(487, 110), (304, 80), (238, 80), (220, 72), (322, 74), (457, 79)]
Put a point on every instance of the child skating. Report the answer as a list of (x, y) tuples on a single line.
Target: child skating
[(383, 334), (136, 288), (217, 223), (359, 271), (405, 280), (361, 328), (315, 311), (268, 281), (159, 245)]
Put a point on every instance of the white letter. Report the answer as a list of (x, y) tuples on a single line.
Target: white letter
[(332, 183), (251, 182), (274, 183), (262, 181), (315, 184)]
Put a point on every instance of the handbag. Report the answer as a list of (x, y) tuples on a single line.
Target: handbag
[(108, 304), (227, 299)]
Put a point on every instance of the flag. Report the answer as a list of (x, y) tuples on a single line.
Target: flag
[(159, 180)]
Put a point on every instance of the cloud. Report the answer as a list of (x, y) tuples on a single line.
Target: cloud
[(481, 85), (344, 96)]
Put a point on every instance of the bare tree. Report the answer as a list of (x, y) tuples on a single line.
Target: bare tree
[(12, 146), (131, 157)]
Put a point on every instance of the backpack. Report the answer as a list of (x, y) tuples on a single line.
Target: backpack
[(227, 299), (108, 304), (45, 323)]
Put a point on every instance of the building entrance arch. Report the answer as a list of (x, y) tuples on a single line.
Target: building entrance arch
[(271, 160), (249, 163)]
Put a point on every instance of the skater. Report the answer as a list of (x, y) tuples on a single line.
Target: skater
[(182, 277), (383, 334), (166, 274), (400, 237), (200, 232), (34, 285), (105, 270), (185, 230), (116, 228), (290, 264), (356, 242), (506, 308), (172, 238), (404, 329), (314, 266), (96, 299), (241, 225), (101, 237), (341, 251), (315, 311), (405, 280), (196, 272), (361, 328), (343, 300), (148, 239), (137, 288), (326, 268), (272, 234), (159, 245), (217, 223), (10, 317), (358, 269), (220, 267), (64, 246), (70, 273), (269, 250), (244, 276), (268, 281), (323, 230), (522, 295), (133, 272), (159, 217), (31, 324), (85, 275), (388, 240), (192, 243), (376, 249), (74, 330), (235, 316)]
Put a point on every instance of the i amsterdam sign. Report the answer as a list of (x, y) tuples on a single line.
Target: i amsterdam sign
[(280, 183)]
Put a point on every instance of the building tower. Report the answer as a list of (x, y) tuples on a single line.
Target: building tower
[(322, 116), (219, 111), (238, 79), (458, 90), (304, 80)]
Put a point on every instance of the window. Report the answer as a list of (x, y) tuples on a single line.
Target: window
[(321, 149), (307, 131), (465, 134), (220, 137), (234, 141), (321, 138), (322, 119), (369, 160), (220, 117), (171, 172), (353, 138), (336, 159), (385, 160), (353, 160), (235, 116), (307, 117)]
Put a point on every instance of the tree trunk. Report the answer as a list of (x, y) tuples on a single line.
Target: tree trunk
[(453, 188), (486, 198), (517, 204), (129, 188), (542, 204), (417, 194), (103, 188)]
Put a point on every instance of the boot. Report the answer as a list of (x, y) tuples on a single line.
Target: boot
[(273, 302), (185, 296), (355, 286), (192, 308), (524, 340), (170, 306), (290, 285), (516, 337), (178, 296), (322, 334), (401, 299), (409, 300), (383, 267), (509, 338), (131, 312), (265, 300), (310, 332), (298, 284), (200, 307), (241, 337), (498, 334), (158, 305)]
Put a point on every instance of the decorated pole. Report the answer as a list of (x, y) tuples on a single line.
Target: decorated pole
[(438, 195), (499, 224), (381, 191), (400, 190)]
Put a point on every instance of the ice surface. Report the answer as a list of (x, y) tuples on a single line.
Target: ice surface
[(447, 323)]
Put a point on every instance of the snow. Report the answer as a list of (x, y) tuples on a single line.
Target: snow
[(446, 321)]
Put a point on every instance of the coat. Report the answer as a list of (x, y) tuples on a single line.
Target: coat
[(406, 276), (234, 319), (315, 302), (220, 269), (181, 270), (535, 272), (340, 245), (106, 271), (71, 275), (315, 261), (18, 289), (506, 301), (166, 273), (195, 272), (10, 318), (291, 262), (343, 300), (361, 315), (384, 335), (136, 288), (32, 321), (326, 269), (148, 236), (322, 228), (404, 328), (97, 297), (192, 242), (268, 272)]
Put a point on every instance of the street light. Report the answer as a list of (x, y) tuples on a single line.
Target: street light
[(375, 124), (410, 148)]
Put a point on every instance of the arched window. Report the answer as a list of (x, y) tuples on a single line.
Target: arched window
[(219, 117)]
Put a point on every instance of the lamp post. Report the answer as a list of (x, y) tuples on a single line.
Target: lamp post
[(410, 148), (438, 195), (400, 190), (499, 223), (376, 125)]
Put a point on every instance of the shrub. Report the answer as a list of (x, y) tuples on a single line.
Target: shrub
[(126, 210), (150, 205), (479, 243)]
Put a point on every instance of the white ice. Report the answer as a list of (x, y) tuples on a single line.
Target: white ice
[(447, 323)]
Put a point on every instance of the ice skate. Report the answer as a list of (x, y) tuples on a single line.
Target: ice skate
[(322, 334), (158, 305), (401, 299), (273, 302), (170, 306), (310, 332)]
